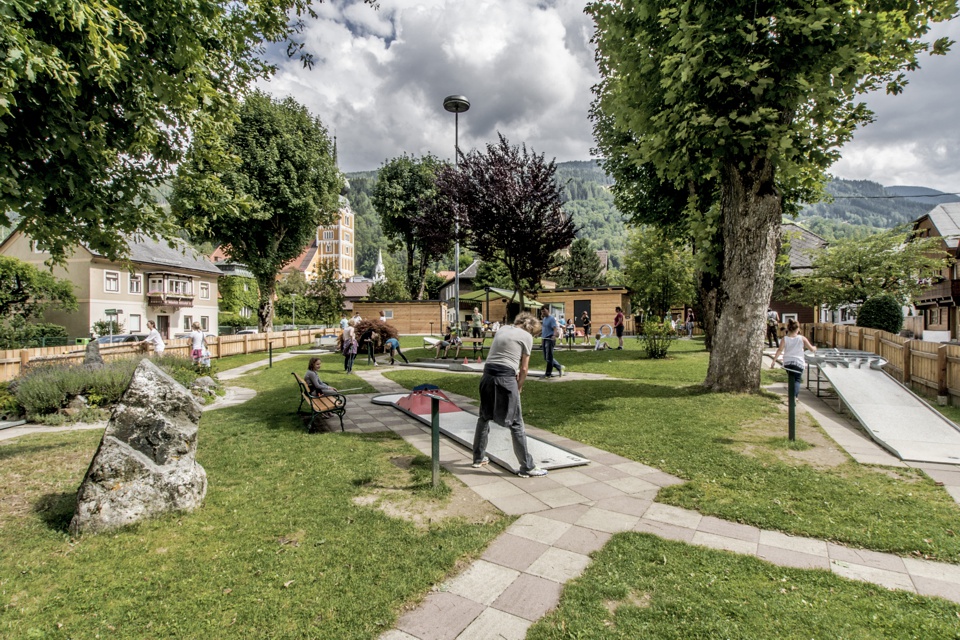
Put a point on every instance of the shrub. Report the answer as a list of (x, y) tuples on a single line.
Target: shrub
[(881, 312), (108, 327), (657, 338)]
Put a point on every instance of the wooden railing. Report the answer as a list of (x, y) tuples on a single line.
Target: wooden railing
[(13, 361), (930, 366)]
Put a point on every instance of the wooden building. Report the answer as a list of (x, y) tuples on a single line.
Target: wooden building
[(802, 246), (410, 317), (600, 303)]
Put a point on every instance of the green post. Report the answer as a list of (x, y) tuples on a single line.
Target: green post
[(270, 351), (435, 437), (791, 394)]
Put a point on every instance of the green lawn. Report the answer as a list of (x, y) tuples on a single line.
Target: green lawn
[(660, 416), (278, 550), (641, 586)]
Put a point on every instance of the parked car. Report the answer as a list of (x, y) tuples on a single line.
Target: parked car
[(119, 338), (246, 332), (187, 335)]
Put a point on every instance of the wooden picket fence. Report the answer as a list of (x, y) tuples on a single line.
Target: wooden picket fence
[(930, 366), (13, 361)]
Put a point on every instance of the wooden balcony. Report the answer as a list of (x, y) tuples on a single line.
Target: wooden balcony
[(945, 292), (162, 299)]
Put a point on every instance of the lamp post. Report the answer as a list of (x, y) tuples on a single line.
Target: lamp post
[(456, 105), (293, 297), (487, 289)]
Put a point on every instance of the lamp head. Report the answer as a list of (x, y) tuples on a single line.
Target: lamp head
[(456, 104)]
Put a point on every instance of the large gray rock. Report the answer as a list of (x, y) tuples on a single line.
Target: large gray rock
[(91, 356), (146, 463)]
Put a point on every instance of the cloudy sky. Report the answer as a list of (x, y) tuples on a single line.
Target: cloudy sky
[(527, 68)]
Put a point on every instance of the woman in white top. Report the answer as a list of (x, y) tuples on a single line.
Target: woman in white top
[(792, 347), (153, 337), (196, 342)]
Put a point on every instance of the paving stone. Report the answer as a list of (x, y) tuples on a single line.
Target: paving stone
[(665, 530), (542, 483), (583, 540), (395, 634), (514, 552), (474, 477), (888, 579), (559, 565), (709, 524), (875, 559), (500, 489), (610, 459), (566, 514), (570, 477), (597, 491), (494, 624), (724, 543), (951, 477), (954, 492), (935, 570), (559, 497), (633, 485), (441, 616), (625, 504), (673, 515), (938, 588), (529, 597), (794, 543), (518, 505), (635, 468), (591, 452), (482, 581), (609, 521), (663, 479), (789, 558), (603, 472), (538, 528)]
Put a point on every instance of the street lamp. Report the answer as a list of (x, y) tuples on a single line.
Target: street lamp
[(456, 105), (293, 296)]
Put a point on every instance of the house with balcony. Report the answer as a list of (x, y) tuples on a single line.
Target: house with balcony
[(172, 285), (938, 302)]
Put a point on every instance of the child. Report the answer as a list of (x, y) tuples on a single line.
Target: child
[(600, 344), (792, 347)]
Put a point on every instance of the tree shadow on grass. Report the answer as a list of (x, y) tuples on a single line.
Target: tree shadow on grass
[(56, 509), (16, 449)]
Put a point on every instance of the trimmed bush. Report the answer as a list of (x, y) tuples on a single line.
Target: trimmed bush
[(881, 312), (657, 338)]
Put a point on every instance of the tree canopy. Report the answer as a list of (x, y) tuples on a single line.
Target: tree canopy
[(753, 100), (99, 100), (659, 271), (277, 185), (509, 206), (582, 268), (26, 291)]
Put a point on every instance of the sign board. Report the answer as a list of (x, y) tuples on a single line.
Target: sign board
[(113, 312)]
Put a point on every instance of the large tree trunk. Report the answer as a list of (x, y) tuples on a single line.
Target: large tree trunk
[(708, 307), (751, 213), (268, 287)]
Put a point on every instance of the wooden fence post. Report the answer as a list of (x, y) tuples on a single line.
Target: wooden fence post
[(860, 339), (24, 360), (246, 343), (942, 370), (905, 351)]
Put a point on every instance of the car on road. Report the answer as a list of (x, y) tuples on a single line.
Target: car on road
[(120, 338)]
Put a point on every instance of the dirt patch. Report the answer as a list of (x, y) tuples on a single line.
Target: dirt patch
[(634, 599), (398, 497), (755, 439)]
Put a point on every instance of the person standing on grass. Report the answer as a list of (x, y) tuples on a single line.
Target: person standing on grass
[(153, 337), (503, 376), (792, 347), (392, 344), (370, 338), (476, 324), (196, 342), (316, 386), (773, 327), (548, 337), (618, 327), (348, 347), (585, 323)]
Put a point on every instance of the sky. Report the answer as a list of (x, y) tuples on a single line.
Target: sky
[(527, 68)]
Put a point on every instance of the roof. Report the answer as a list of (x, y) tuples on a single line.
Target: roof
[(946, 220), (302, 262), (470, 272), (156, 252), (803, 245), (355, 289)]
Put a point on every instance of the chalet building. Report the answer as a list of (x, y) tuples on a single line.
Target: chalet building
[(803, 245), (938, 302), (173, 286)]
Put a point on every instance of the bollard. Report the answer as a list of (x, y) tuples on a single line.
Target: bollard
[(270, 351), (791, 394), (435, 437)]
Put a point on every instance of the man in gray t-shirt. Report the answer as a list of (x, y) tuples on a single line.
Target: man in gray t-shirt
[(500, 387)]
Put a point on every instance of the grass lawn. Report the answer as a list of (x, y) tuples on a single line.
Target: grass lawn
[(659, 415), (641, 586), (280, 548)]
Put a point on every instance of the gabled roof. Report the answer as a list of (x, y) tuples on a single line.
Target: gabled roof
[(355, 290), (803, 245), (302, 262), (159, 253), (946, 220)]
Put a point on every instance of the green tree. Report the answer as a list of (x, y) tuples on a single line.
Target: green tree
[(26, 291), (98, 101), (325, 290), (659, 271), (388, 290), (402, 196), (758, 97), (281, 183), (582, 268), (881, 312), (492, 273), (509, 206), (849, 272)]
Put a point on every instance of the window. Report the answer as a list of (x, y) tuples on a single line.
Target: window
[(134, 321), (346, 236), (187, 323), (328, 235), (204, 290), (346, 251), (246, 286), (388, 314), (205, 323), (328, 247), (180, 287), (136, 284), (155, 285), (111, 281), (245, 312)]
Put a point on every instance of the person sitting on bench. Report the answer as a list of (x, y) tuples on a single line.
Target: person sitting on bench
[(316, 386), (449, 340)]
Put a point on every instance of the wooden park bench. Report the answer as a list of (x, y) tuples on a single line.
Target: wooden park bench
[(323, 406), (478, 344)]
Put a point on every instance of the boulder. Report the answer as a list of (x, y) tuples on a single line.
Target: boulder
[(146, 463), (91, 356)]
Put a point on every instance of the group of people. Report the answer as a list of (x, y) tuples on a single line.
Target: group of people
[(198, 342)]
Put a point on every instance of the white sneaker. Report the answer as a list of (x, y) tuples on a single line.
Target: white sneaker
[(482, 463), (536, 472)]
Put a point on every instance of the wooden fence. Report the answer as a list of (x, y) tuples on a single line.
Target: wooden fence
[(933, 367), (13, 361)]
